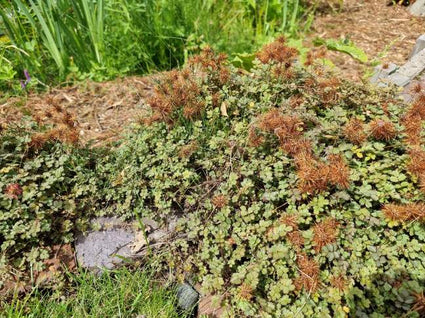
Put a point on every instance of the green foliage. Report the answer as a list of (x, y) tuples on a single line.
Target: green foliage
[(44, 203), (118, 293), (250, 228), (56, 34), (345, 46), (243, 249), (76, 39)]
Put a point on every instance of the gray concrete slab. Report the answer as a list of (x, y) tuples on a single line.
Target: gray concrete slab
[(418, 8), (409, 71), (419, 46)]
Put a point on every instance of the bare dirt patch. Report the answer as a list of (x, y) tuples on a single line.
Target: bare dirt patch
[(101, 110), (372, 26)]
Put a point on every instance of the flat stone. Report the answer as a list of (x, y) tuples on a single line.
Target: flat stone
[(173, 222), (100, 249), (419, 46), (418, 8), (159, 236), (399, 79), (112, 240), (150, 223), (410, 70), (382, 73)]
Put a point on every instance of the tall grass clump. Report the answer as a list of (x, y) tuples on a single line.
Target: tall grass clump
[(104, 38)]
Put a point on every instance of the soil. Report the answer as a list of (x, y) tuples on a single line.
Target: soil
[(102, 110), (373, 26)]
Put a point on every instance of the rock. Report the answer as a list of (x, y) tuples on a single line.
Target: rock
[(100, 249), (187, 297), (399, 79), (172, 224), (409, 71), (159, 236), (150, 223), (419, 46), (418, 8), (382, 73), (111, 240), (405, 74), (139, 242)]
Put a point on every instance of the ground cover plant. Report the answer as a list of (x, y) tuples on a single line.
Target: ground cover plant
[(300, 194)]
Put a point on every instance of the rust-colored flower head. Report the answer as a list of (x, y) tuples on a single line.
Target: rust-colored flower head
[(277, 52), (412, 126), (418, 106), (416, 165), (382, 129), (313, 175), (13, 191), (297, 146), (271, 120), (325, 232), (308, 274), (289, 220), (354, 131), (296, 101), (219, 201), (291, 128), (405, 212), (212, 65), (68, 120), (38, 140), (254, 137), (339, 282), (246, 291), (339, 173), (297, 240), (416, 88), (328, 91)]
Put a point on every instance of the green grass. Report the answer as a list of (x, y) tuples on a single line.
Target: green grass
[(118, 293)]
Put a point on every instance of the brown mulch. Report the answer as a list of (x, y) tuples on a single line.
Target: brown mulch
[(101, 110), (372, 26)]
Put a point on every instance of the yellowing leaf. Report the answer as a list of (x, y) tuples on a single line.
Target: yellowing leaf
[(139, 242), (223, 109)]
